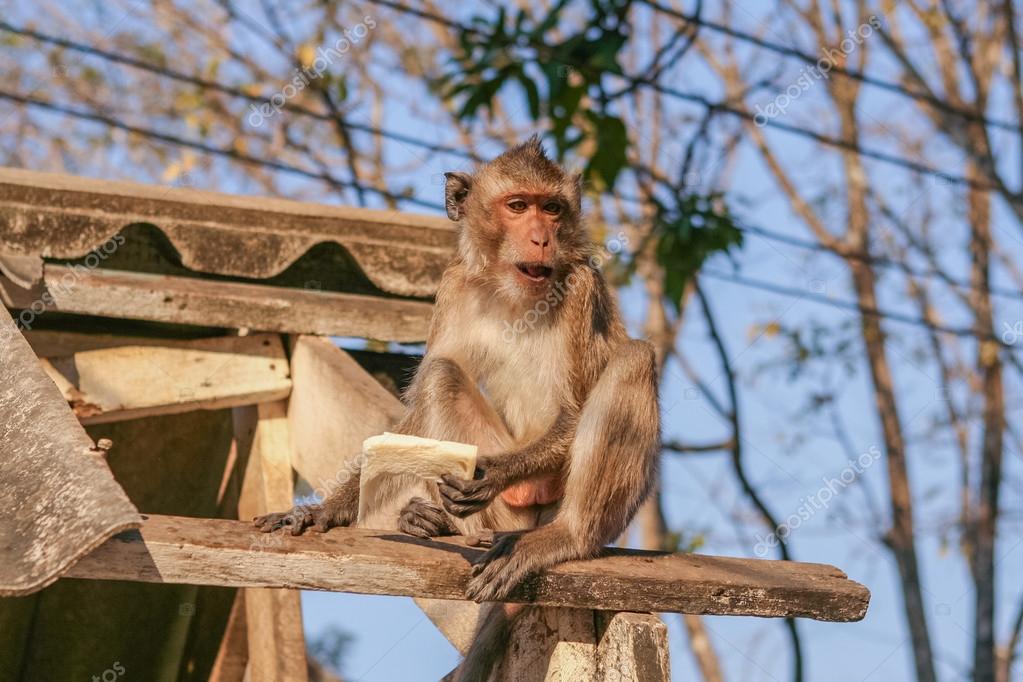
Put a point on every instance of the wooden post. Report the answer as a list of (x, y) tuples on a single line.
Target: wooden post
[(561, 644), (631, 647), (233, 655), (552, 644), (276, 644)]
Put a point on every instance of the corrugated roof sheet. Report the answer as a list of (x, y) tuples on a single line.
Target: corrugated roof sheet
[(65, 217)]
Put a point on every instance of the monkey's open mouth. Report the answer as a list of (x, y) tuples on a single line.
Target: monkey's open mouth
[(535, 272)]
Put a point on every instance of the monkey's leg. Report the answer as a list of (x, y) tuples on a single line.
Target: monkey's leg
[(446, 404), (612, 461)]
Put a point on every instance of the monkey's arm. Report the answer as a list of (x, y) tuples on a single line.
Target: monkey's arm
[(494, 473), (340, 508)]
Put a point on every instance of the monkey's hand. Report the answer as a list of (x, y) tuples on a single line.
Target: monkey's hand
[(425, 519), (319, 517), (462, 498)]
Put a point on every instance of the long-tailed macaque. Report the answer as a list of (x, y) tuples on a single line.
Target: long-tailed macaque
[(528, 359)]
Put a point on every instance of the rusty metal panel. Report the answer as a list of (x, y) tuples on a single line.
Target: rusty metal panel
[(58, 498)]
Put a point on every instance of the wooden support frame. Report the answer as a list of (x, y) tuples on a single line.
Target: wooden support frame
[(578, 629), (232, 553), (273, 617)]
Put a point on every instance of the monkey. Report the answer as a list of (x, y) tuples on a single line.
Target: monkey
[(528, 358)]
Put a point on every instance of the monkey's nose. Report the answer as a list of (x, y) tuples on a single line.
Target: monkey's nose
[(541, 240)]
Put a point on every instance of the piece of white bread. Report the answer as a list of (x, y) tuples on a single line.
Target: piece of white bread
[(391, 464)]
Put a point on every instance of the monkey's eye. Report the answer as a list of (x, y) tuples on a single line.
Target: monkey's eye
[(517, 205), (552, 207)]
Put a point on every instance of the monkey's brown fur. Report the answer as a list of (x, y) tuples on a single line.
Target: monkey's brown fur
[(527, 357)]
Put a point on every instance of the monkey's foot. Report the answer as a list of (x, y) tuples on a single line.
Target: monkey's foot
[(425, 519), (315, 516), (498, 571)]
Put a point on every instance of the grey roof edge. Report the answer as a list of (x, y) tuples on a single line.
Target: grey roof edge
[(62, 216)]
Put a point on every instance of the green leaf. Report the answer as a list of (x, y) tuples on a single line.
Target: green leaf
[(609, 156), (532, 94), (696, 229)]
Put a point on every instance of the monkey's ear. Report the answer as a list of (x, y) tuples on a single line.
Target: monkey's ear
[(577, 186), (456, 189)]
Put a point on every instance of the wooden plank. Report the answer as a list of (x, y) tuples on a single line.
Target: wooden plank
[(633, 647), (128, 382), (54, 343), (233, 655), (185, 300), (217, 552), (334, 406), (62, 216), (273, 617), (58, 497)]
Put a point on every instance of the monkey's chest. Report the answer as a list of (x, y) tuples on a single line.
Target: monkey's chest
[(525, 379)]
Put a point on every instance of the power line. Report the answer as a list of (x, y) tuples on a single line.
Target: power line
[(406, 139), (881, 261), (793, 241), (288, 168), (882, 313), (725, 107), (210, 149), (815, 60), (236, 92), (198, 81)]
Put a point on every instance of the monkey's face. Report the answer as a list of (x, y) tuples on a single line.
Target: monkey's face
[(520, 222), (529, 222)]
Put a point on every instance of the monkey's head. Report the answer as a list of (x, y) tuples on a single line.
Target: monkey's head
[(520, 218)]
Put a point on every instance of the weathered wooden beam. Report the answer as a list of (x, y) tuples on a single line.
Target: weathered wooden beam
[(62, 216), (55, 343), (550, 644), (128, 382), (233, 655), (631, 647), (185, 300), (273, 618), (216, 552), (335, 405)]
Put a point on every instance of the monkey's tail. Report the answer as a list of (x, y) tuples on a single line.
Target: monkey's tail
[(488, 645)]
